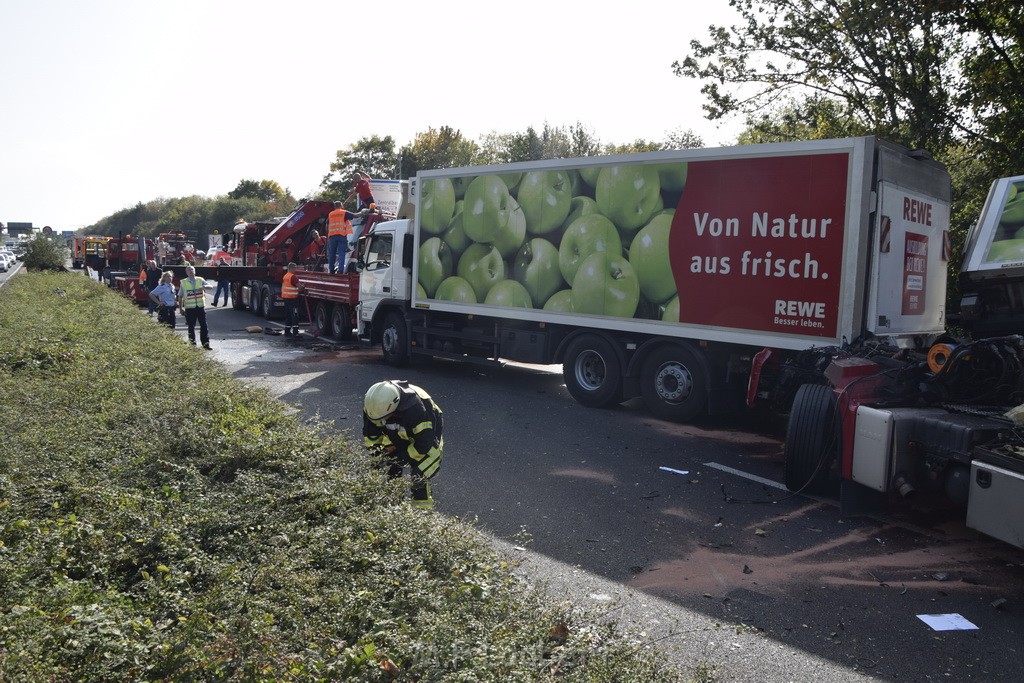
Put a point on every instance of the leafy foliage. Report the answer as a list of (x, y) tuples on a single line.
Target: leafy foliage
[(160, 521), (375, 156), (45, 253)]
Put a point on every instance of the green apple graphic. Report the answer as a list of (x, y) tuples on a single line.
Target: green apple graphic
[(560, 302), (1006, 250), (671, 314), (545, 197), (629, 195), (481, 266), (435, 264), (509, 293), (536, 268), (511, 180), (511, 237), (420, 292), (437, 205), (588, 174), (455, 234), (459, 185), (1013, 210), (580, 206), (606, 285), (648, 254), (672, 176), (486, 209), (454, 288), (587, 235)]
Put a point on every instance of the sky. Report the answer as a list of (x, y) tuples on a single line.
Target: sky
[(108, 103)]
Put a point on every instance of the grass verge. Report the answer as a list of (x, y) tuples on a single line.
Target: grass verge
[(161, 521)]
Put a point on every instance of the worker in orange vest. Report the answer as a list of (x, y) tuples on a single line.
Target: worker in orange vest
[(339, 228), (290, 289)]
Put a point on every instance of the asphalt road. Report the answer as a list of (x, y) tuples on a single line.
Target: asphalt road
[(688, 555)]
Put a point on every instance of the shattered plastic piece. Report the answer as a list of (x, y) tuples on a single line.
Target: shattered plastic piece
[(674, 471), (760, 532), (998, 603), (747, 570)]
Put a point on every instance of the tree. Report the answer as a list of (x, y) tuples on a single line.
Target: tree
[(374, 156), (46, 253), (441, 148), (886, 64), (682, 139), (264, 190)]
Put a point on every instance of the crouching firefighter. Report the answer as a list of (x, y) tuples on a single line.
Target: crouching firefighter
[(402, 424)]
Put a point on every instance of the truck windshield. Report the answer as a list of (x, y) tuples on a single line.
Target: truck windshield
[(378, 254)]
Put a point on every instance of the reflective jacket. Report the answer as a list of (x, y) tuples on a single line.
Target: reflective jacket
[(193, 292), (338, 223), (290, 286), (414, 429)]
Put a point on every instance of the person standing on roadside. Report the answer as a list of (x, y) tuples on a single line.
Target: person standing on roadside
[(223, 284), (163, 297), (402, 425), (192, 301), (290, 290), (153, 280)]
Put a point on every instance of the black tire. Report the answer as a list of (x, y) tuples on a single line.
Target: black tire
[(236, 296), (812, 438), (394, 341), (341, 322), (322, 319), (255, 305), (673, 384), (592, 371), (267, 299)]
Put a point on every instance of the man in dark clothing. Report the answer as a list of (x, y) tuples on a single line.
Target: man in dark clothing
[(403, 425), (153, 275)]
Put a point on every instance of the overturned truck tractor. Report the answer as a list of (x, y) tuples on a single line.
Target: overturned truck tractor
[(807, 277)]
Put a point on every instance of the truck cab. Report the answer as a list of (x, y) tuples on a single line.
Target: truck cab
[(385, 281), (992, 272)]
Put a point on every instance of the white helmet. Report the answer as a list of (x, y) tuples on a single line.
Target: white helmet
[(381, 400)]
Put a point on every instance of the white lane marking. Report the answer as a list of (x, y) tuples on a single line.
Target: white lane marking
[(747, 475)]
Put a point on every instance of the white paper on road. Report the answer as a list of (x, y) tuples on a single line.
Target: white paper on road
[(947, 622), (669, 469)]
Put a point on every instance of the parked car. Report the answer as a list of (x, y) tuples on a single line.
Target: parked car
[(3, 266)]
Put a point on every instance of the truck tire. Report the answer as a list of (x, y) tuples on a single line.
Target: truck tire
[(267, 299), (322, 319), (592, 371), (236, 296), (812, 438), (254, 299), (673, 384), (394, 341), (341, 322)]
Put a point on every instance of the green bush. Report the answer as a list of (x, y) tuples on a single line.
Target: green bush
[(161, 521), (45, 253)]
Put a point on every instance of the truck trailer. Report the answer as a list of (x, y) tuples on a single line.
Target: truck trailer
[(809, 278)]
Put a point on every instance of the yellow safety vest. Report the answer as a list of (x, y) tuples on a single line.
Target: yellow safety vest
[(195, 296), (338, 223)]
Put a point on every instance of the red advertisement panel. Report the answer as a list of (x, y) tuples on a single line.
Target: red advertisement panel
[(915, 273), (758, 243)]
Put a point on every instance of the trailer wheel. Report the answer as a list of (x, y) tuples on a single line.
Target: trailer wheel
[(254, 299), (341, 322), (236, 296), (267, 298), (592, 371), (322, 318), (394, 341), (673, 384), (812, 438)]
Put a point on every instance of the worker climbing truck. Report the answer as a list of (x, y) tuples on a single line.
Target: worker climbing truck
[(806, 277)]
